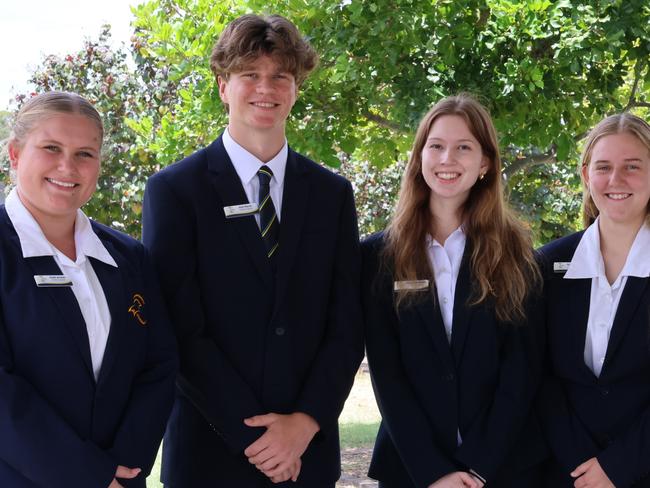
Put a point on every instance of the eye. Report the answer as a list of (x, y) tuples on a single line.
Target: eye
[(601, 168), (436, 146), (465, 147), (51, 148), (85, 154), (633, 167)]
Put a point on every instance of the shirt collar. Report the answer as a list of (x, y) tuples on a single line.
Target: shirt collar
[(247, 165), (587, 261), (33, 242), (455, 241)]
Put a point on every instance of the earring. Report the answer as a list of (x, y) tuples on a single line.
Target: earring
[(481, 176)]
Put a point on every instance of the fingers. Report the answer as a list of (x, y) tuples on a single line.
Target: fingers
[(296, 470), (582, 469), (468, 480), (261, 420), (127, 473), (258, 446)]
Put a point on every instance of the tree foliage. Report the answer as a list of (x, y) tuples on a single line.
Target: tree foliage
[(548, 71)]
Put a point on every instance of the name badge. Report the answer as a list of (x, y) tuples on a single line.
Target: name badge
[(242, 210), (411, 285), (560, 267), (52, 281)]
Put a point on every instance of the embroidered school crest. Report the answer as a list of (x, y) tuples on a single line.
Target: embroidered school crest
[(136, 308)]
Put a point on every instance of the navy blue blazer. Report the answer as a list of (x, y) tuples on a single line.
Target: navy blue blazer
[(253, 341), (482, 384), (584, 415), (59, 427)]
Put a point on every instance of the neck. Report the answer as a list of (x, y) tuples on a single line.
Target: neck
[(446, 219), (264, 145), (617, 237)]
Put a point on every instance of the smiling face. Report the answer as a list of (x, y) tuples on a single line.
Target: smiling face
[(618, 178), (452, 161), (259, 99), (57, 165)]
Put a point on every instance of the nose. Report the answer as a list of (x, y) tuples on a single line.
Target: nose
[(446, 156), (66, 163), (264, 85), (616, 176)]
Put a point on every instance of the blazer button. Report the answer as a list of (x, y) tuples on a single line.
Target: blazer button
[(449, 377), (279, 331), (604, 391)]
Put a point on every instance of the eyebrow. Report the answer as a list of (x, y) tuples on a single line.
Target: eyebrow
[(628, 160), (54, 141), (457, 140)]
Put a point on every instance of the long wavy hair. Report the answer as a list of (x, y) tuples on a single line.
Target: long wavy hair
[(502, 261), (614, 124)]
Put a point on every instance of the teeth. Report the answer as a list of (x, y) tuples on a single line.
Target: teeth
[(264, 104), (618, 196), (62, 183), (447, 176)]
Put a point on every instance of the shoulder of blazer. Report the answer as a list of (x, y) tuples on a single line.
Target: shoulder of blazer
[(127, 248), (306, 165), (559, 250)]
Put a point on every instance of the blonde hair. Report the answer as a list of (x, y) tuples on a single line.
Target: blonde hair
[(47, 104), (614, 124), (502, 261)]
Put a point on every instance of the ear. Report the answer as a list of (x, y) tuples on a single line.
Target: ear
[(223, 83), (13, 155), (485, 165), (584, 172)]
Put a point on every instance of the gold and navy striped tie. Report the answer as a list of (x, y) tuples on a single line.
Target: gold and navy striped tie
[(269, 225)]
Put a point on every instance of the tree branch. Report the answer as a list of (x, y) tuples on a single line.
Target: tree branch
[(389, 124), (521, 164), (637, 76)]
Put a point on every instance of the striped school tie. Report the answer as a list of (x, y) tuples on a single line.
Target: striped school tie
[(269, 224)]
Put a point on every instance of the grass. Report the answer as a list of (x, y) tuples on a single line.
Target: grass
[(358, 422)]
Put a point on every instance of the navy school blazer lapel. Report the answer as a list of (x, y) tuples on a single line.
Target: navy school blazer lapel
[(230, 191), (67, 304), (425, 312), (574, 297), (294, 208), (111, 279), (627, 308), (462, 310)]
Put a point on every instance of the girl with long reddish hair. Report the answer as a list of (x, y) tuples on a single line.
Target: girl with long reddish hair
[(447, 289)]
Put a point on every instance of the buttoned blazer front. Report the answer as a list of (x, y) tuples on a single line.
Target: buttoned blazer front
[(481, 384), (251, 341), (60, 427), (584, 415)]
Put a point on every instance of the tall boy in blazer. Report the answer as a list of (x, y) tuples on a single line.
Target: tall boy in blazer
[(257, 250)]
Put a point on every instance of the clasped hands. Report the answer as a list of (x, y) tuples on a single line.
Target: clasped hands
[(278, 451)]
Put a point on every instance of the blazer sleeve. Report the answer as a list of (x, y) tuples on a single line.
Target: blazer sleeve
[(152, 390), (36, 441), (332, 373), (206, 376), (402, 414), (493, 435)]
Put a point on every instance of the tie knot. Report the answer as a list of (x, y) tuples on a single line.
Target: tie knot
[(265, 174)]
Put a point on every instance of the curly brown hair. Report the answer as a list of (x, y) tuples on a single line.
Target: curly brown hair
[(250, 36)]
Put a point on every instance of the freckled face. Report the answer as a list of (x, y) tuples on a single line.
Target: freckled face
[(452, 161), (57, 165), (618, 178)]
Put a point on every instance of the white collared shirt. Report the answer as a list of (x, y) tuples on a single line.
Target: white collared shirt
[(246, 165), (85, 285), (445, 262), (587, 262)]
